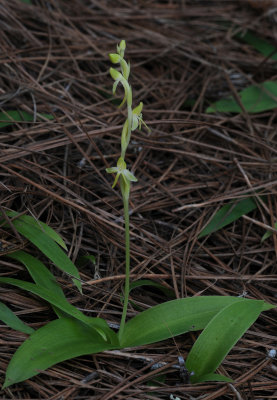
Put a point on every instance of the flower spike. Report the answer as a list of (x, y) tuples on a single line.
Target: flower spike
[(123, 175), (134, 118)]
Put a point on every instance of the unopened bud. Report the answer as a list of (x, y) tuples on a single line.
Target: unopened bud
[(116, 75), (115, 58), (122, 45)]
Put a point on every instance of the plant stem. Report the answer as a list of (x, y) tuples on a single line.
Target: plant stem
[(127, 266)]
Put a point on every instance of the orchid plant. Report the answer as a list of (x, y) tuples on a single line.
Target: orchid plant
[(223, 319), (133, 120)]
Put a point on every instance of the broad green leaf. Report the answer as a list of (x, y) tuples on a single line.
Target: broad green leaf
[(249, 37), (220, 335), (214, 378), (255, 99), (228, 214), (57, 341), (147, 282), (173, 318), (83, 260), (262, 45), (99, 324), (40, 274), (10, 117), (189, 103), (49, 248), (38, 224), (10, 319), (268, 233)]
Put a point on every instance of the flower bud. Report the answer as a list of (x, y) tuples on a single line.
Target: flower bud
[(122, 45), (115, 58), (116, 75)]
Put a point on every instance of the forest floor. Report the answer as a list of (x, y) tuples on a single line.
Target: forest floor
[(184, 56)]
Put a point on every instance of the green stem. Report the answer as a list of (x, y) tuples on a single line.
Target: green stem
[(127, 266)]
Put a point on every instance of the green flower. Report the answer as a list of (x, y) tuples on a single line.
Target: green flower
[(122, 171), (136, 122), (137, 118)]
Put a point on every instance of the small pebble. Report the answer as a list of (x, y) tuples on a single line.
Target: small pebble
[(174, 398), (272, 353)]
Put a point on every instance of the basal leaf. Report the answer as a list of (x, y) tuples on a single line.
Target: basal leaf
[(268, 233), (255, 99), (220, 335), (40, 274), (98, 324), (12, 116), (147, 282), (27, 219), (84, 260), (57, 341), (214, 378), (173, 318), (228, 214), (48, 247), (262, 45), (10, 319)]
